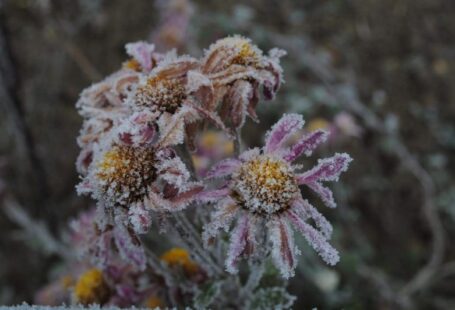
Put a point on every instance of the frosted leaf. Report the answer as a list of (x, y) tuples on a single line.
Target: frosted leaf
[(271, 298), (316, 240), (223, 168), (220, 219), (306, 145), (238, 243), (142, 52), (327, 169), (282, 130), (284, 250)]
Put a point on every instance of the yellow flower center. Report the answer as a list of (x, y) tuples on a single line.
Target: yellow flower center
[(179, 257), (125, 173), (91, 288), (265, 185), (132, 64), (161, 94), (247, 55)]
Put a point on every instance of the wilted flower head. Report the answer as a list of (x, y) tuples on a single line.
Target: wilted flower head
[(262, 185), (236, 69), (102, 104)]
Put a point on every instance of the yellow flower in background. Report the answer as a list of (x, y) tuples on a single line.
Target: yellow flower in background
[(67, 281), (154, 302), (179, 257), (318, 123), (91, 288)]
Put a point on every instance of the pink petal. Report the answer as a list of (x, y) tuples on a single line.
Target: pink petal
[(142, 52), (305, 210), (238, 243), (306, 145), (183, 198), (324, 193), (315, 239), (287, 125), (213, 195), (283, 247), (223, 168), (328, 169), (129, 247), (139, 218)]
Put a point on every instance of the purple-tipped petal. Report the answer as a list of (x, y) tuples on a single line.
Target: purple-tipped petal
[(327, 169), (305, 210), (183, 198), (139, 218), (284, 250), (239, 240), (129, 247), (315, 239), (213, 195), (324, 193), (223, 168), (142, 52), (306, 145), (287, 125)]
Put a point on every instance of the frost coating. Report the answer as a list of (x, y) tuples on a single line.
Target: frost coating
[(263, 183)]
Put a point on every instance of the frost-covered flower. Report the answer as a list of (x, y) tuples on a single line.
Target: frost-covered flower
[(135, 179), (262, 186), (102, 104), (237, 68), (172, 95)]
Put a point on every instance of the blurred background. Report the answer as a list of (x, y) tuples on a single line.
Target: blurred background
[(379, 74)]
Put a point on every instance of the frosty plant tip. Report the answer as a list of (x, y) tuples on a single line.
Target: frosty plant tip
[(139, 124)]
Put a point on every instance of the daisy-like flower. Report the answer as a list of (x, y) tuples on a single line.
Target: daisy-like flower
[(102, 104), (173, 95), (135, 179), (236, 69), (262, 186)]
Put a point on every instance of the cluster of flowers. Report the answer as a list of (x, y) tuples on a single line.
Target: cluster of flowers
[(139, 121), (118, 283)]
